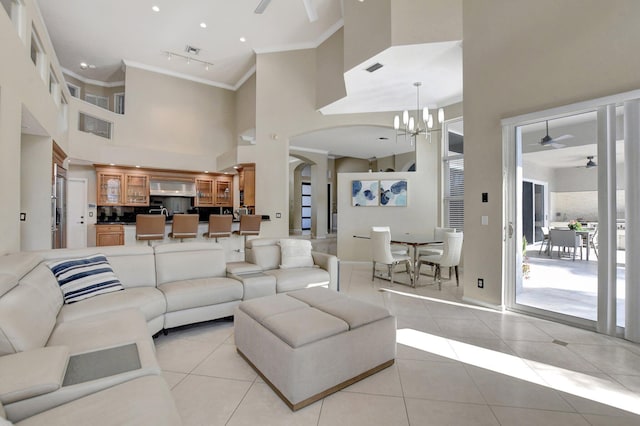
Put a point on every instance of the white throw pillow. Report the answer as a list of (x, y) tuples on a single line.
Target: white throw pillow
[(85, 277), (295, 253)]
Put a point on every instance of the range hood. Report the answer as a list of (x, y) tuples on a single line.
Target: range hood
[(173, 188)]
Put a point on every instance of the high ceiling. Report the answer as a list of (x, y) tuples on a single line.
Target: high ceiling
[(104, 35)]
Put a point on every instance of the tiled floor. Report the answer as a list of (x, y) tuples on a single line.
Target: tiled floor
[(455, 365)]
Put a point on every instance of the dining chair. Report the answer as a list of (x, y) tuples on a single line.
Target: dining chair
[(184, 226), (219, 226), (545, 238), (381, 253), (438, 235), (565, 238), (395, 248), (450, 257), (150, 227)]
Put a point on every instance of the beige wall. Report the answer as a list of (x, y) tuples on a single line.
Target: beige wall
[(330, 85), (23, 88), (425, 21), (522, 56), (246, 106), (419, 216), (367, 30)]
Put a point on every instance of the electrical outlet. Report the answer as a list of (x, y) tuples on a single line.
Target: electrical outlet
[(278, 215), (480, 282)]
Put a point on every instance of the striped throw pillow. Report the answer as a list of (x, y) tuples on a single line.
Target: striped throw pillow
[(85, 277)]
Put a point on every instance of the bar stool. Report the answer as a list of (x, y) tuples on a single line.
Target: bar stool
[(249, 225), (150, 227), (219, 226), (184, 226)]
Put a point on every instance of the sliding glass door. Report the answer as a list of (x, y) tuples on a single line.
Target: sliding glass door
[(568, 214)]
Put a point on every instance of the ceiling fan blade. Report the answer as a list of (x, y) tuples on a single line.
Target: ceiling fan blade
[(311, 10), (262, 6), (556, 145), (561, 138)]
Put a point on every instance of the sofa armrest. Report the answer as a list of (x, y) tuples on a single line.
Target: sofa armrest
[(31, 373), (329, 263)]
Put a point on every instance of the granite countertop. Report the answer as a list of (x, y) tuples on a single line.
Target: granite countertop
[(169, 221)]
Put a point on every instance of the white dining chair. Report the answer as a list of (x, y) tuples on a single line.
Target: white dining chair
[(395, 248), (438, 235), (381, 254), (450, 257), (565, 238), (545, 238)]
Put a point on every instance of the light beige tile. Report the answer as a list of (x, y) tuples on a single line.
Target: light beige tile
[(630, 382), (173, 378), (597, 420), (551, 355), (181, 355), (425, 412), (408, 352), (357, 409), (208, 401), (611, 359), (498, 389), (520, 330), (225, 362), (510, 416), (385, 382), (261, 406), (442, 381), (462, 327), (589, 406), (214, 332)]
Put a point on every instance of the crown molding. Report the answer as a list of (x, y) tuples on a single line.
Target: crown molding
[(90, 81), (164, 71)]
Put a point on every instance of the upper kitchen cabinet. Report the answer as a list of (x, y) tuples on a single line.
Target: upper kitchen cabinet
[(204, 192), (110, 187), (224, 191), (137, 189)]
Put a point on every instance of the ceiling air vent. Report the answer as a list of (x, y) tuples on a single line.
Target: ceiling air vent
[(375, 67), (192, 50)]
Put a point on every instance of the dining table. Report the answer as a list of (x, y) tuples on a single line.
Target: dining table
[(415, 240), (587, 235)]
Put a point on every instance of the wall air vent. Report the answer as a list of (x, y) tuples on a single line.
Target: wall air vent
[(375, 67), (192, 50)]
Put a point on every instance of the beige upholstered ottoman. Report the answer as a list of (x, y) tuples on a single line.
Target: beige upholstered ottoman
[(309, 343)]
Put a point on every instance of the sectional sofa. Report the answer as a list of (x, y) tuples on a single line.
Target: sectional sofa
[(79, 360)]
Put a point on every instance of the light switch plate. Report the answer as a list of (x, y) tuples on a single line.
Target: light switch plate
[(485, 220)]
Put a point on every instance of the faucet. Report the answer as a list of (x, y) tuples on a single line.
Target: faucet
[(164, 211)]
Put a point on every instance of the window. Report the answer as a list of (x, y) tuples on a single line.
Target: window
[(54, 87), (94, 125), (101, 101), (118, 103), (453, 171), (37, 55), (306, 206), (74, 90)]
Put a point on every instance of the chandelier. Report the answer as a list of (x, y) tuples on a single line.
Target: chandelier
[(411, 124)]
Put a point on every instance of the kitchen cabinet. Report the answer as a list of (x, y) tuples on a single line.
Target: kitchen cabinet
[(137, 190), (110, 188), (204, 192), (224, 191), (249, 186), (109, 235)]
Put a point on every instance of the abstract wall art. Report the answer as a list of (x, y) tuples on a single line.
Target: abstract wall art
[(393, 193), (364, 193)]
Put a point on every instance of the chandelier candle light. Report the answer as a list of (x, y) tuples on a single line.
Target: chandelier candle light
[(411, 125)]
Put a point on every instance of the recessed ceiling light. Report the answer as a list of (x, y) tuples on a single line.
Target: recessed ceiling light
[(242, 39), (206, 171), (155, 8), (137, 167), (203, 25), (83, 65), (92, 67), (111, 164)]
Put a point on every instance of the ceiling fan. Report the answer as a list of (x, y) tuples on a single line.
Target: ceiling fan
[(590, 162), (553, 142), (312, 14)]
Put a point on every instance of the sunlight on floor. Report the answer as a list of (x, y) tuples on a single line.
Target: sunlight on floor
[(572, 382)]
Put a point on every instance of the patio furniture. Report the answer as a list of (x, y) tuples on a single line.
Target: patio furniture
[(545, 239), (565, 238)]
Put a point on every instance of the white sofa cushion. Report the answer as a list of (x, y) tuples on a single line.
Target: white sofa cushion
[(298, 278), (84, 277), (295, 253), (199, 292), (187, 261), (149, 300)]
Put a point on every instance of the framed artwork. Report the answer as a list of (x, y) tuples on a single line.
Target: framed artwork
[(364, 192), (393, 193)]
